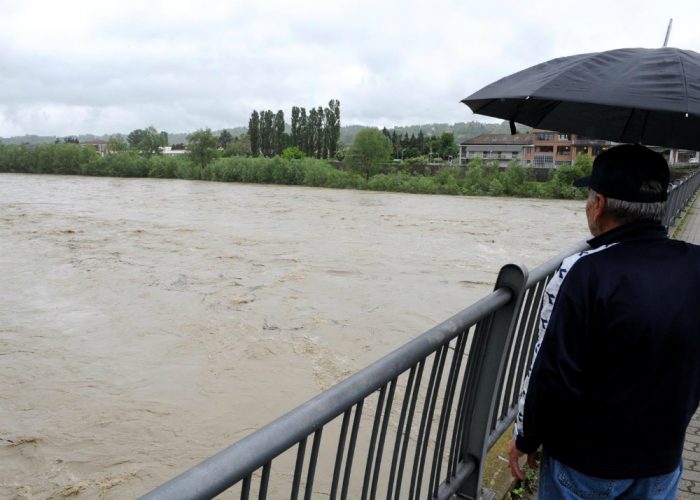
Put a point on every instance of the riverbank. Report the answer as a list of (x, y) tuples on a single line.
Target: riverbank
[(474, 179)]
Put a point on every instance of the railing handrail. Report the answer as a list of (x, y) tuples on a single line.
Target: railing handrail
[(257, 448)]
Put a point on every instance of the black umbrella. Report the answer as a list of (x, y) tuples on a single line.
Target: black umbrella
[(647, 96)]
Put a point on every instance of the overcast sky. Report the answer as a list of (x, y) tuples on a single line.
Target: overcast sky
[(73, 67)]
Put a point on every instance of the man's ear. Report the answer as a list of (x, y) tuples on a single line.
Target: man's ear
[(599, 207)]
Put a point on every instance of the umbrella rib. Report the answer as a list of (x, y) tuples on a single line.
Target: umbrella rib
[(624, 129), (685, 83), (644, 126)]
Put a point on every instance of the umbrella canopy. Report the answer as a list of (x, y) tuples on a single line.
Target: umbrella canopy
[(646, 96)]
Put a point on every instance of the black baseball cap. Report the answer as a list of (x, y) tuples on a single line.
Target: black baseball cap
[(623, 173)]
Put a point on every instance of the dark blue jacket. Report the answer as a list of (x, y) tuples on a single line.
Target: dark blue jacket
[(616, 377)]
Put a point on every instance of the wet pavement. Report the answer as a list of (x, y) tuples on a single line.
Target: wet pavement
[(690, 481)]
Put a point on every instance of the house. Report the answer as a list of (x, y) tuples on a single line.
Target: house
[(172, 151), (539, 148), (553, 149), (503, 148), (99, 145), (549, 149)]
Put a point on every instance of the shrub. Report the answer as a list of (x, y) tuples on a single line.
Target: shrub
[(163, 167)]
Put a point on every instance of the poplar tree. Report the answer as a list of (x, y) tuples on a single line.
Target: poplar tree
[(266, 119), (254, 133), (295, 126), (279, 139), (320, 134), (334, 106)]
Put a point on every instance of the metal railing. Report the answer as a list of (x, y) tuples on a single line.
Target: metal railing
[(415, 424), (681, 192), (430, 414)]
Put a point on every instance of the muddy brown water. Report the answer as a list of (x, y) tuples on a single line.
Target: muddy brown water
[(146, 324)]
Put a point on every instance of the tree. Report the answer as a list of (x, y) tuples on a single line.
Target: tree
[(202, 144), (334, 106), (148, 141), (320, 133), (369, 149), (312, 133), (447, 146), (295, 126), (266, 120), (135, 137), (71, 139), (584, 162), (117, 144), (303, 132), (225, 138), (152, 141), (278, 136), (239, 146), (254, 133), (420, 143)]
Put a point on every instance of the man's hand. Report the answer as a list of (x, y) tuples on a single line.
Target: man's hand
[(513, 455)]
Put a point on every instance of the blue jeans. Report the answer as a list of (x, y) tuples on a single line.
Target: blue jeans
[(560, 481)]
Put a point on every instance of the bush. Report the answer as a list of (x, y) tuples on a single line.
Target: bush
[(514, 179), (479, 178), (292, 153), (163, 167), (123, 165)]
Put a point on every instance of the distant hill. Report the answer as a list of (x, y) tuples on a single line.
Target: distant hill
[(462, 132), (173, 137)]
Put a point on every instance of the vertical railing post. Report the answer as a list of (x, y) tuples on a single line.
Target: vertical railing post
[(490, 351)]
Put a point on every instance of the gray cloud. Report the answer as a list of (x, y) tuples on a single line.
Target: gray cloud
[(76, 66)]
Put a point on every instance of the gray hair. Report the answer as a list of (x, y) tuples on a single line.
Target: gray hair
[(634, 211)]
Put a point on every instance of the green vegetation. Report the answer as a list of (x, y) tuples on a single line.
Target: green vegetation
[(476, 178), (441, 146), (202, 144), (148, 141), (315, 134), (527, 487), (369, 149)]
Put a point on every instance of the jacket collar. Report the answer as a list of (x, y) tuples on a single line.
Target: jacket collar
[(635, 231)]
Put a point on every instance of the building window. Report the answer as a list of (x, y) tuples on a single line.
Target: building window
[(514, 154), (564, 137), (543, 161), (545, 149), (564, 150), (545, 136)]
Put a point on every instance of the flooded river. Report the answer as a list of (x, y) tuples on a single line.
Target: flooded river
[(146, 324)]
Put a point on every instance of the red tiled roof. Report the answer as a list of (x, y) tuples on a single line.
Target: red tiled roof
[(501, 139)]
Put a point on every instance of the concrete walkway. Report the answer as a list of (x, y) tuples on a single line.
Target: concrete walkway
[(690, 481)]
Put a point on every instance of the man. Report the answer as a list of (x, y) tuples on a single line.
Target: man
[(616, 375)]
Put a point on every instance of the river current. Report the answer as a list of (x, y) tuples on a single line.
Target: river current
[(146, 324)]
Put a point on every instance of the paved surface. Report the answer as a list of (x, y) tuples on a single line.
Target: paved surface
[(690, 481)]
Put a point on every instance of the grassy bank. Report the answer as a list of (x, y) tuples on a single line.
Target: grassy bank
[(476, 178)]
